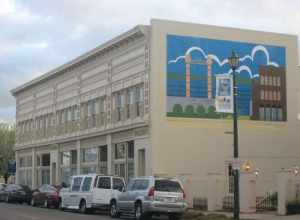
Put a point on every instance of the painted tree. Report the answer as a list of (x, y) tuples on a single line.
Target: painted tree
[(7, 142)]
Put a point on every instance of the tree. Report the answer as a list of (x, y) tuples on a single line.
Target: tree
[(177, 108), (201, 111), (7, 142), (189, 109)]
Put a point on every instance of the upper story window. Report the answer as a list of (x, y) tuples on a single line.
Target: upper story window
[(89, 155)]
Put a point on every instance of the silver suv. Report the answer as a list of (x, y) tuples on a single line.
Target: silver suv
[(147, 196)]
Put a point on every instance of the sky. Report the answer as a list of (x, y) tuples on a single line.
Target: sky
[(37, 36)]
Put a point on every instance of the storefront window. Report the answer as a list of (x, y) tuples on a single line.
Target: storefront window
[(120, 151), (89, 155), (89, 169), (65, 158)]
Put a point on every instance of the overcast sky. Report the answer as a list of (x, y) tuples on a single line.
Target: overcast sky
[(37, 36)]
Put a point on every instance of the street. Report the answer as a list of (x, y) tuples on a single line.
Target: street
[(25, 212)]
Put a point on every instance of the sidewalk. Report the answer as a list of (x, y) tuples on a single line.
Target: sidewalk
[(262, 216)]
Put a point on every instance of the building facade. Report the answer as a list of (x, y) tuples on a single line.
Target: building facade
[(144, 104)]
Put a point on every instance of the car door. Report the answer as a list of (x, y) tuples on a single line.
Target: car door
[(125, 198), (102, 192), (74, 195)]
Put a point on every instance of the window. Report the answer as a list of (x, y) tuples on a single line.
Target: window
[(274, 114), (45, 159), (118, 183), (120, 151), (280, 114), (262, 94), (104, 183), (261, 113), (270, 80), (65, 158), (103, 153), (76, 184), (86, 184), (278, 81), (22, 162), (130, 149), (88, 169), (167, 186), (73, 157), (268, 113), (89, 154), (262, 79), (141, 184)]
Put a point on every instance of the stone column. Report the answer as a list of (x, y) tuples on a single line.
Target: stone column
[(215, 191), (247, 192), (78, 156), (285, 189), (109, 154), (17, 167), (33, 172)]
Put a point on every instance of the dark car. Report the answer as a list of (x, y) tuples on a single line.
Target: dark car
[(16, 193), (2, 187), (45, 196)]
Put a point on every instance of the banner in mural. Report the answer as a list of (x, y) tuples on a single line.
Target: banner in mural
[(193, 64), (224, 93)]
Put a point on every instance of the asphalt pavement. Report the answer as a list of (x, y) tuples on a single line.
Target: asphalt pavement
[(25, 212)]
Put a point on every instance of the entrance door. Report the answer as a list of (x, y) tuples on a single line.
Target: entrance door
[(142, 163), (53, 179)]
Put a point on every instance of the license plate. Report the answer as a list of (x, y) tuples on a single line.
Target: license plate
[(169, 199)]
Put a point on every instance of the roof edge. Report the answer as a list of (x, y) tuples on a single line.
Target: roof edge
[(139, 28)]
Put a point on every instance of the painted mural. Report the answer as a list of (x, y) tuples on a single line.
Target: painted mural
[(192, 66)]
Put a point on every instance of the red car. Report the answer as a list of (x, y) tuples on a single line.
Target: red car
[(45, 196)]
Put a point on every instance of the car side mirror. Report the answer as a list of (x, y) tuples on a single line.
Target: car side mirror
[(123, 189)]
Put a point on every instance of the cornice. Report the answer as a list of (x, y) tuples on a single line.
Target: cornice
[(134, 33)]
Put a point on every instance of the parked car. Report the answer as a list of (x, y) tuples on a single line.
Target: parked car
[(2, 187), (90, 192), (147, 196), (46, 196), (16, 193)]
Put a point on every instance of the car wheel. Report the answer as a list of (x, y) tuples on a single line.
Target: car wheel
[(138, 211), (7, 199), (82, 207), (114, 210), (32, 202), (175, 216), (60, 206), (46, 205)]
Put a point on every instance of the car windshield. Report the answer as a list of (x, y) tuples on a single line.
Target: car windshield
[(167, 186)]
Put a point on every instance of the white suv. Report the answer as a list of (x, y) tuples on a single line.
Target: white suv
[(91, 191)]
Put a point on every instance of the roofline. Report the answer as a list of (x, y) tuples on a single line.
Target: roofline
[(107, 45)]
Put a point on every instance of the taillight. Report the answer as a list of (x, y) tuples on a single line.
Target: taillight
[(151, 192), (183, 193)]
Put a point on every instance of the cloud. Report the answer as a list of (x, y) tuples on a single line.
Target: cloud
[(241, 68)]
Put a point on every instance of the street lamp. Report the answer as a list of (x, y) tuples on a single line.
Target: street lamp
[(233, 61)]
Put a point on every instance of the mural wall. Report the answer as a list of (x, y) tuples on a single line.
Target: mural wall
[(192, 66)]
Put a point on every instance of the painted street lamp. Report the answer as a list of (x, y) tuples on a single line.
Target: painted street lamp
[(233, 61)]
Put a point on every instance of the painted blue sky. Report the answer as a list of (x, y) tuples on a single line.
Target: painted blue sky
[(37, 36), (252, 56)]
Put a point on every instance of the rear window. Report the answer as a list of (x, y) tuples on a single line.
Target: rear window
[(167, 186)]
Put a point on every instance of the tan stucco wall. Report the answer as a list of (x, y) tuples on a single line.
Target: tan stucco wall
[(198, 146)]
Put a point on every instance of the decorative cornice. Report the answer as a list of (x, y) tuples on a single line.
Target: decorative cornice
[(136, 32)]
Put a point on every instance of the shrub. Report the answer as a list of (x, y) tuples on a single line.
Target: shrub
[(177, 108), (211, 112), (201, 111), (189, 109), (293, 207)]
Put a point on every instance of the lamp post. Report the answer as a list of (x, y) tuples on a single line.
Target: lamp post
[(234, 62)]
